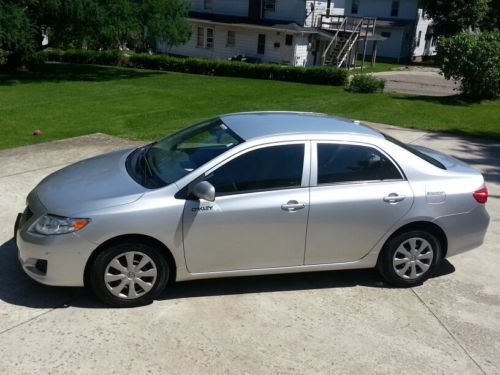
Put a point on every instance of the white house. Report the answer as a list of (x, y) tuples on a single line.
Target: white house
[(403, 25), (298, 32), (276, 31)]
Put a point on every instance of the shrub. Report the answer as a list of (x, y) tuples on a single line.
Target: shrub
[(366, 84), (475, 60), (316, 75)]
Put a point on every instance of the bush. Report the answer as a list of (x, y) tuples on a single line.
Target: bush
[(316, 75), (475, 60), (366, 84)]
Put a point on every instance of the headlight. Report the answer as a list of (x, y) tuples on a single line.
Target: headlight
[(50, 224)]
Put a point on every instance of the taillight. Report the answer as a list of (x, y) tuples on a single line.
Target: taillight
[(481, 195)]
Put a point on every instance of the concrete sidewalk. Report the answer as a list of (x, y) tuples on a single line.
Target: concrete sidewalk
[(329, 322)]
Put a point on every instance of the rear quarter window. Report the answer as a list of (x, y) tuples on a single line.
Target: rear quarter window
[(414, 151)]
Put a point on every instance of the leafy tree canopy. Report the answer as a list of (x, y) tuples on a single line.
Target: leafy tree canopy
[(474, 59), (107, 24), (454, 16)]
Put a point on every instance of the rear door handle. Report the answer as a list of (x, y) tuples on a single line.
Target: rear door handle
[(292, 206), (394, 198)]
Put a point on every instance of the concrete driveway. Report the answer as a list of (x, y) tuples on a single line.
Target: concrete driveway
[(329, 322), (418, 81)]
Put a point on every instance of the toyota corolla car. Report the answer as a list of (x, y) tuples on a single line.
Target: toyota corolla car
[(250, 194)]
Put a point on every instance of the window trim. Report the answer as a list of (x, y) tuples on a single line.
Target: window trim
[(314, 164), (306, 170)]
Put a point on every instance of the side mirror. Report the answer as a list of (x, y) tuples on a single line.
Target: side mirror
[(204, 190)]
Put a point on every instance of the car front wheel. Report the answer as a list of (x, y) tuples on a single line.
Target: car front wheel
[(128, 275), (410, 258)]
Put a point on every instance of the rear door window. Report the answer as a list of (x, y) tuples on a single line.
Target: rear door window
[(344, 163)]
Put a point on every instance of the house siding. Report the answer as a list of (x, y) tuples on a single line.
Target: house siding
[(245, 44), (288, 10), (229, 7), (382, 8)]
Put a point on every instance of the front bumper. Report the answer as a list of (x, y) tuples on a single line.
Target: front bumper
[(62, 257)]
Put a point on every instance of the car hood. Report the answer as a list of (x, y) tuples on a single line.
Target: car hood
[(91, 184)]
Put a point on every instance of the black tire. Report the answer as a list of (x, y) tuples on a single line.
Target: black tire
[(386, 267), (102, 262)]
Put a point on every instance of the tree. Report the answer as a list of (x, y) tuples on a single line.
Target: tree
[(492, 19), (454, 16), (97, 24), (474, 59), (16, 32), (116, 23)]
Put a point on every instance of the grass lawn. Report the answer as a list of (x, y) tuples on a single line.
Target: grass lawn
[(69, 100)]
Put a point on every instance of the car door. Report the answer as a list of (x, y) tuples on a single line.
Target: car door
[(259, 216), (357, 194)]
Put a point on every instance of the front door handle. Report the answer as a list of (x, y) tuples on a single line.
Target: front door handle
[(292, 206), (394, 198)]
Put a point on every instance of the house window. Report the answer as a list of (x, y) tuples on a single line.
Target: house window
[(208, 4), (210, 38), (269, 5), (204, 37), (419, 37), (200, 37), (355, 6), (231, 38), (395, 8), (289, 40), (261, 44), (385, 34)]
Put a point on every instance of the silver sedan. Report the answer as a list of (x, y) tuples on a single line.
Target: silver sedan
[(250, 194)]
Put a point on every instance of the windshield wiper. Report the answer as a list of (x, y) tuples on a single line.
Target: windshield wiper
[(146, 165)]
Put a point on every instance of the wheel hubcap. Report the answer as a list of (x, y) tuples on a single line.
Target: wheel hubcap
[(130, 275), (413, 258)]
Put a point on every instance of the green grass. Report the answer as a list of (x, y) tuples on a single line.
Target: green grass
[(69, 100)]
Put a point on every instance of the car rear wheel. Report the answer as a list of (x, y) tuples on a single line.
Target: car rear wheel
[(410, 258), (128, 275)]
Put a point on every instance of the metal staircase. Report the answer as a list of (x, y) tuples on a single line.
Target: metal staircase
[(345, 32)]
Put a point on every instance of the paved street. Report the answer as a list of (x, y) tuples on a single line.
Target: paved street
[(328, 322)]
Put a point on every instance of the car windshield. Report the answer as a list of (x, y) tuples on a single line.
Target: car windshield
[(177, 155)]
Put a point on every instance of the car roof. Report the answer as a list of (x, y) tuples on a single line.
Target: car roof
[(252, 125)]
